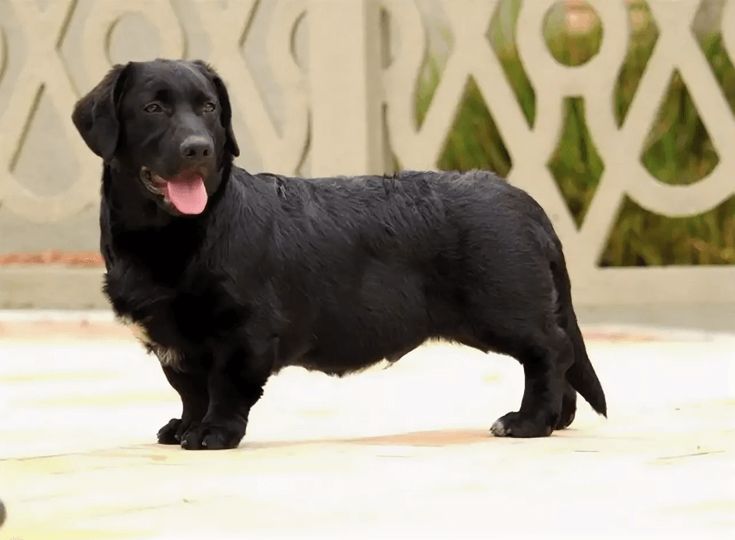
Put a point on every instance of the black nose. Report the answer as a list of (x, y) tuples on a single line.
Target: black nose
[(196, 147)]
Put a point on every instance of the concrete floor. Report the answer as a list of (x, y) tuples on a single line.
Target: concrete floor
[(399, 452)]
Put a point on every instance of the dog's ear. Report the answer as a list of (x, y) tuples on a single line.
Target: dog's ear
[(96, 114), (226, 109)]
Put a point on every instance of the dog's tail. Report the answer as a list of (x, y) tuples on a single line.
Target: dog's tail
[(581, 375)]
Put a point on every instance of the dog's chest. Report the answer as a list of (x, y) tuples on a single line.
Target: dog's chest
[(172, 320), (149, 310), (168, 356)]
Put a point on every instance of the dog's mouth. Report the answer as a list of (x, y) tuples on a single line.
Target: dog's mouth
[(185, 192)]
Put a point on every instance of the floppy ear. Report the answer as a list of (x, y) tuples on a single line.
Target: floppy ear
[(224, 101), (95, 115)]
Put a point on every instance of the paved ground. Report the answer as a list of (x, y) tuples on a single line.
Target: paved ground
[(398, 452)]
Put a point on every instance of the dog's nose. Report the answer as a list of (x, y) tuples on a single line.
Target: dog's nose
[(196, 147)]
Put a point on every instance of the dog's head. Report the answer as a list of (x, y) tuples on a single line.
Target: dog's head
[(165, 123)]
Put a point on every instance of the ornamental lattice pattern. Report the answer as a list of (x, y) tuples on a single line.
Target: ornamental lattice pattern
[(51, 52)]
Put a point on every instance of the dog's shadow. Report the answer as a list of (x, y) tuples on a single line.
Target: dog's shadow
[(445, 437)]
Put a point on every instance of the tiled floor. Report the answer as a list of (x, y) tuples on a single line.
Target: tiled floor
[(399, 452)]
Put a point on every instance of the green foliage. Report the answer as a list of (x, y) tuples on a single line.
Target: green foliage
[(472, 142), (678, 149), (575, 164)]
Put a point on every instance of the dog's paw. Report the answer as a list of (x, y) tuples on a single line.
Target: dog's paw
[(171, 432), (515, 424), (209, 436), (498, 428)]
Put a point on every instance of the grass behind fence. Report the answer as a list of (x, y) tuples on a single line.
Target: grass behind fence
[(678, 149)]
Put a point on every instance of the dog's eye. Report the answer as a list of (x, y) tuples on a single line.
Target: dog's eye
[(153, 108), (209, 107)]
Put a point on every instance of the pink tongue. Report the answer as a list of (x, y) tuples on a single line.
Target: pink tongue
[(187, 193)]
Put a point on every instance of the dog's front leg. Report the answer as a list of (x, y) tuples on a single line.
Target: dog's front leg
[(192, 388), (235, 383)]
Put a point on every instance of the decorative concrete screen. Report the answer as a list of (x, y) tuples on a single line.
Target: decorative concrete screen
[(315, 93)]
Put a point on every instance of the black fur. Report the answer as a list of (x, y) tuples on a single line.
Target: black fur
[(332, 274)]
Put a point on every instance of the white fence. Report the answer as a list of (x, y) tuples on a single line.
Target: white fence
[(314, 94)]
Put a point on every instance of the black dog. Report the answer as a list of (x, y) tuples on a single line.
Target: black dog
[(233, 276)]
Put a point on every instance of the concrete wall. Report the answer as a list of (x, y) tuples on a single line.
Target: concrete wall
[(324, 86)]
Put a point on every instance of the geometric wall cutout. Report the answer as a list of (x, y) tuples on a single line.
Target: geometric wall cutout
[(576, 165), (474, 141), (642, 238)]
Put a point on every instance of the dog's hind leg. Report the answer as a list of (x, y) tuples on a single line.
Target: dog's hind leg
[(192, 388), (545, 361), (568, 407)]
